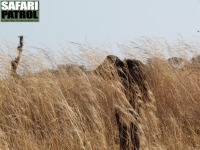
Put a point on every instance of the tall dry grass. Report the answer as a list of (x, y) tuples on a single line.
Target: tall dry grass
[(177, 94), (77, 111)]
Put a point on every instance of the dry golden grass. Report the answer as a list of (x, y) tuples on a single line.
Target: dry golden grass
[(77, 111), (177, 94)]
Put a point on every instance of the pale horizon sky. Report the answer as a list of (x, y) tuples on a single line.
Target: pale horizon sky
[(107, 20)]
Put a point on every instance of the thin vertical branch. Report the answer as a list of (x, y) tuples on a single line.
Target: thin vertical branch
[(15, 62)]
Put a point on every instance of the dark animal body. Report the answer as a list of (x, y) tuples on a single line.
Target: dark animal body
[(131, 74)]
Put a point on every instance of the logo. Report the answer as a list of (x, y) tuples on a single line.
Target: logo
[(19, 11)]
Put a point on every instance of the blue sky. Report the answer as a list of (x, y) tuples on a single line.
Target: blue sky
[(107, 20)]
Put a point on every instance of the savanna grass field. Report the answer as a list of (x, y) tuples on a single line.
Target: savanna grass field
[(58, 103)]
